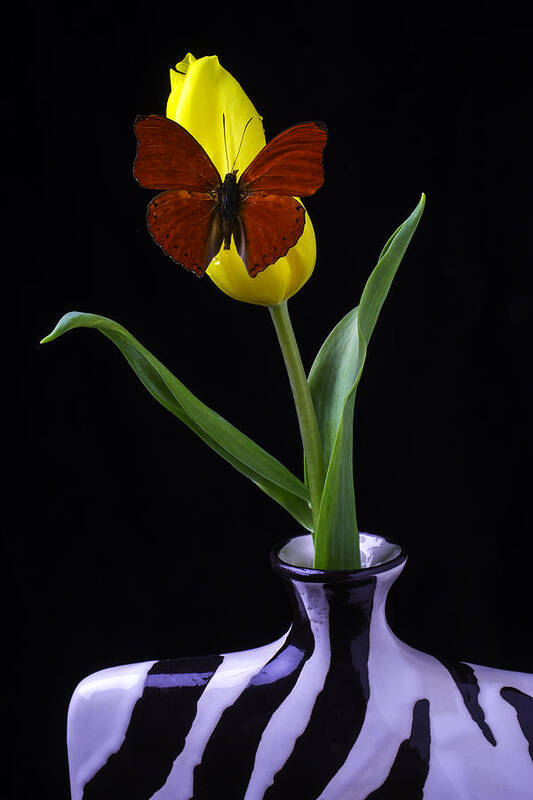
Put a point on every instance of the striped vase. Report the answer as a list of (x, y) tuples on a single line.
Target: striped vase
[(337, 709)]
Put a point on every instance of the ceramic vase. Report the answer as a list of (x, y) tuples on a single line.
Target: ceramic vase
[(337, 709)]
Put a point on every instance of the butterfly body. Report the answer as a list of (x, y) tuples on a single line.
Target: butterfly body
[(197, 212), (229, 200)]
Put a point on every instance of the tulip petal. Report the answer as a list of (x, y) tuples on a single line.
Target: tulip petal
[(276, 283), (201, 97)]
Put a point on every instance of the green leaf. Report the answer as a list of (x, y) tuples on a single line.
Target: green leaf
[(243, 453), (333, 381)]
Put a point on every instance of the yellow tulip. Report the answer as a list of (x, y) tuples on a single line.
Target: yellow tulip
[(202, 92)]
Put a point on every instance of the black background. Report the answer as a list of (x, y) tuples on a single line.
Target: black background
[(125, 538)]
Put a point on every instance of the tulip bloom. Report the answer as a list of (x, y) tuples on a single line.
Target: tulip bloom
[(202, 93)]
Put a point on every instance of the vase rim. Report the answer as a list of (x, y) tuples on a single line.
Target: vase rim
[(395, 556)]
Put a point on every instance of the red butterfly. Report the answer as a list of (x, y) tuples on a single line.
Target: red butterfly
[(199, 211)]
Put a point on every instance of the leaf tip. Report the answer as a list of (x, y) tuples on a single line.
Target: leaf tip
[(51, 336)]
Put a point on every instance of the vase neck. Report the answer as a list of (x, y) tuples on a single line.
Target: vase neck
[(327, 613), (336, 609)]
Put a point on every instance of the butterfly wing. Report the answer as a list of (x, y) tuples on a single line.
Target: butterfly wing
[(270, 220), (290, 164), (186, 226), (268, 225), (168, 157), (184, 220)]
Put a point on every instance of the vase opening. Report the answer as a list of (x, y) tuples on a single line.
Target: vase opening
[(375, 551)]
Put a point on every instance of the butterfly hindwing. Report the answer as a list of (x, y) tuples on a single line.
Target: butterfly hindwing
[(168, 157), (290, 164), (269, 226), (187, 227)]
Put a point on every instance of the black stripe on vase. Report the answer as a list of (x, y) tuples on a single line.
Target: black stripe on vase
[(159, 724), (411, 766), (340, 708), (229, 756), (523, 704), (466, 681)]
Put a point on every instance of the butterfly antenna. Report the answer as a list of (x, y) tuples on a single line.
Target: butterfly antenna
[(240, 145), (225, 141)]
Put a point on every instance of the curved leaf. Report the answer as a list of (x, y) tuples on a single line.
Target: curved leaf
[(241, 451), (333, 381)]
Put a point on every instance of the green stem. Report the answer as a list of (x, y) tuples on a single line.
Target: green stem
[(305, 409)]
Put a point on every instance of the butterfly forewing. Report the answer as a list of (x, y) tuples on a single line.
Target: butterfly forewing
[(186, 225), (290, 164), (168, 157), (271, 225)]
